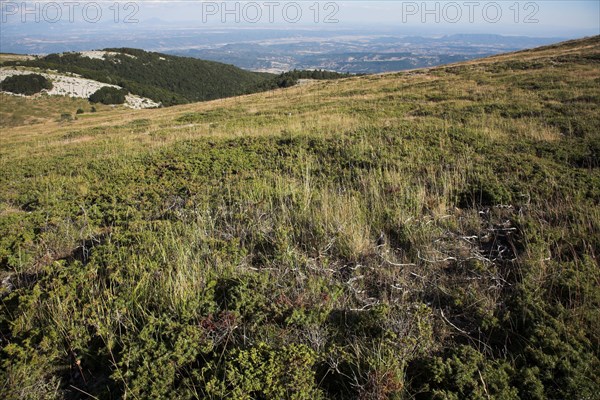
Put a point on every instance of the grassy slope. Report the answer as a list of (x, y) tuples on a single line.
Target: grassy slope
[(6, 57), (403, 235), (19, 111)]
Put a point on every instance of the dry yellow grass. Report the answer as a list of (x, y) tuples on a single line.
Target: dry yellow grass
[(4, 57)]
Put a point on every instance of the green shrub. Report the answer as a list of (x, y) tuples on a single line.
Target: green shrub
[(109, 95), (66, 117), (25, 84), (265, 372), (80, 111), (463, 373), (155, 360)]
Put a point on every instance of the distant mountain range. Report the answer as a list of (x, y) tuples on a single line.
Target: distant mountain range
[(361, 54), (277, 50)]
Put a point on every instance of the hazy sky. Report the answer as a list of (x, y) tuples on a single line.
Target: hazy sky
[(534, 18)]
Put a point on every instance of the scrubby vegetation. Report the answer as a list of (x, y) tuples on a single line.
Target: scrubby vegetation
[(27, 84), (431, 234), (289, 79), (66, 117), (18, 110), (108, 95)]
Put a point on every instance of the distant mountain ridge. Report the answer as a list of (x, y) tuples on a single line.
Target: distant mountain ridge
[(163, 78)]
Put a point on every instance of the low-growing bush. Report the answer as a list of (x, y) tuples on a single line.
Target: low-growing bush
[(66, 117)]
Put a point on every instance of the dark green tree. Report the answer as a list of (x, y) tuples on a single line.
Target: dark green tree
[(25, 84), (109, 95)]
